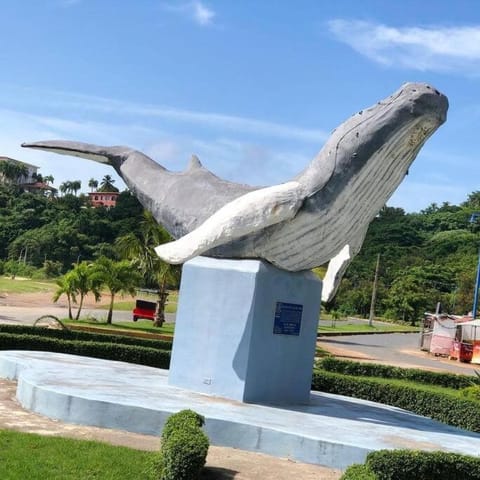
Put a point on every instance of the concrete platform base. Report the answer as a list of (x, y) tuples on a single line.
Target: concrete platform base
[(245, 330), (334, 431)]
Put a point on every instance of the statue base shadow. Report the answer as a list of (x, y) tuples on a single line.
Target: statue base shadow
[(246, 331)]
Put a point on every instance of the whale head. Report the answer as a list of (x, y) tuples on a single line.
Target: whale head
[(368, 155)]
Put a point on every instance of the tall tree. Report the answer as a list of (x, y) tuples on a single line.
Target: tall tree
[(139, 247), (66, 187), (92, 184), (81, 280), (48, 179), (65, 286), (106, 185), (116, 277), (13, 172), (75, 186)]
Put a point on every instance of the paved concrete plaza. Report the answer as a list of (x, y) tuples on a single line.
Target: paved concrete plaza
[(332, 430)]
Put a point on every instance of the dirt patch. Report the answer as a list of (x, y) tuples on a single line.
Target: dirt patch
[(222, 463), (44, 299)]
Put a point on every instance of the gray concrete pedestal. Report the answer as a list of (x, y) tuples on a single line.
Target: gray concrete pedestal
[(246, 331)]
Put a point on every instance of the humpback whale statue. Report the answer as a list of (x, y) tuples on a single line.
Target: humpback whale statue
[(320, 216)]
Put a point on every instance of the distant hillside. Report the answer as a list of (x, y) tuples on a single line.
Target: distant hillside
[(425, 258), (35, 229)]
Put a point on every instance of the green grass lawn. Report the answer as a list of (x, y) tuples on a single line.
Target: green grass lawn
[(26, 456), (342, 327), (141, 325), (7, 285), (129, 305)]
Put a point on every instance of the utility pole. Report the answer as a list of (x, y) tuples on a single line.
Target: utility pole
[(374, 293)]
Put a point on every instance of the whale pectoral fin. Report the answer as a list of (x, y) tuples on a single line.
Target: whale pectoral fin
[(247, 214), (339, 264), (82, 150), (336, 269)]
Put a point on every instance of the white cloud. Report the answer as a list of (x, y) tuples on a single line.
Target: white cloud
[(217, 121), (69, 3), (441, 49), (201, 14), (243, 161), (195, 11)]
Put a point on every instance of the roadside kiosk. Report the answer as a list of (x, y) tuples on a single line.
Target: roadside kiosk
[(469, 341)]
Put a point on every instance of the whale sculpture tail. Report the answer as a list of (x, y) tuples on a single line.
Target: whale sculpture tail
[(113, 156)]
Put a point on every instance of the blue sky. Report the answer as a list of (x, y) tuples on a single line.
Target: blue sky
[(252, 87)]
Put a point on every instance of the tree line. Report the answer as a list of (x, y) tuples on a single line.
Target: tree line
[(61, 237), (425, 258)]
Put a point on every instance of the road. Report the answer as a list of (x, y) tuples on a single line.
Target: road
[(28, 315), (401, 349)]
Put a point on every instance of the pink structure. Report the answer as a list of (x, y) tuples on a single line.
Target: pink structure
[(103, 199)]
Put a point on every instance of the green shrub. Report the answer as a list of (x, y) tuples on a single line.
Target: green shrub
[(358, 472), (472, 392), (444, 407), (86, 336), (109, 351), (51, 269), (20, 269), (184, 448), (183, 420), (347, 367), (409, 464), (184, 455)]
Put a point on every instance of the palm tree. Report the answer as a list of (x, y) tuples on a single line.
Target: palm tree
[(106, 185), (12, 172), (76, 185), (65, 187), (117, 277), (81, 280), (66, 287), (85, 281), (48, 179), (93, 184), (38, 177), (139, 249)]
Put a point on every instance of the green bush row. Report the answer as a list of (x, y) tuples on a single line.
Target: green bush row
[(86, 336), (184, 447), (347, 367), (444, 407), (408, 464), (151, 357)]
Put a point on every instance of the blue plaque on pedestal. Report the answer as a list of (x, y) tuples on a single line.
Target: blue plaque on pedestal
[(288, 318)]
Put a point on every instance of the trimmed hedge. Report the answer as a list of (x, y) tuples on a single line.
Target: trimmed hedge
[(444, 407), (358, 472), (110, 351), (409, 464), (347, 367), (86, 336), (184, 447)]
